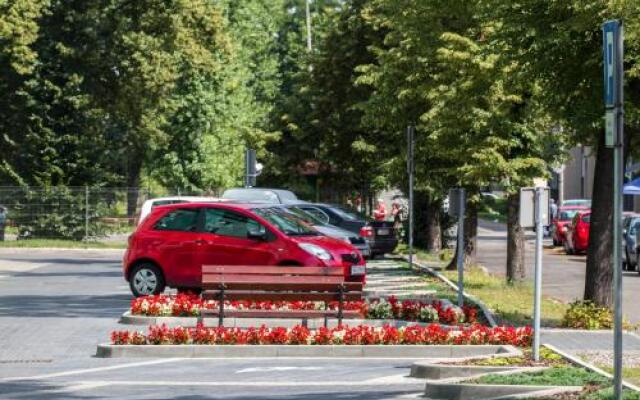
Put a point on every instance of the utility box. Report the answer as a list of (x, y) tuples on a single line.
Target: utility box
[(456, 202), (528, 207)]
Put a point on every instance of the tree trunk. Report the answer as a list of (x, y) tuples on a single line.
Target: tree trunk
[(515, 240), (599, 277), (133, 184), (426, 221), (433, 235), (470, 237)]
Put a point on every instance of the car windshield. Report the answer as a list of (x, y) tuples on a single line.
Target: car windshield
[(343, 213), (577, 202), (305, 216), (567, 215), (286, 222)]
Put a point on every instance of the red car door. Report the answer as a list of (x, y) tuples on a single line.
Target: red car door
[(231, 238), (176, 241)]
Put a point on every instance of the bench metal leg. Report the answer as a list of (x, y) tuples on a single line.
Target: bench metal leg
[(221, 306), (340, 304), (326, 317)]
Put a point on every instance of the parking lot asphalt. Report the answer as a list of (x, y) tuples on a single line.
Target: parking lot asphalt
[(57, 305), (563, 276)]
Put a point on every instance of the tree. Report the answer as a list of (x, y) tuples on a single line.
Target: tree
[(559, 46)]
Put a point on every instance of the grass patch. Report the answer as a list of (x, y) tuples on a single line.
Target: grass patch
[(512, 303), (630, 374), (607, 394), (547, 358), (60, 243), (560, 376)]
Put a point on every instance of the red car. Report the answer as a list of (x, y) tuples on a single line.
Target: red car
[(562, 221), (577, 237), (170, 246)]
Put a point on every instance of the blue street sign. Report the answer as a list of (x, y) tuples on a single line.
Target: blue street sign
[(612, 49)]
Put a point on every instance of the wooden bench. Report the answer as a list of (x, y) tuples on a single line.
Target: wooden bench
[(273, 283)]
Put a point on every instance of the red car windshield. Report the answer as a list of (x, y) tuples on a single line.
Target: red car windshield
[(567, 215), (286, 222)]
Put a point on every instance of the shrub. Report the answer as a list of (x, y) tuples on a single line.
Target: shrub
[(588, 315)]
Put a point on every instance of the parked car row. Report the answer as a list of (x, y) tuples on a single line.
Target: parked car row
[(570, 229), (175, 236)]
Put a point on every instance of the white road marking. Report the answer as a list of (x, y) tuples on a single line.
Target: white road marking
[(90, 370), (270, 369), (385, 381), (19, 266)]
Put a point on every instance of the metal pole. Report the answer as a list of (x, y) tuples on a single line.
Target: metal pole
[(86, 213), (538, 274), (460, 247), (410, 170), (617, 262)]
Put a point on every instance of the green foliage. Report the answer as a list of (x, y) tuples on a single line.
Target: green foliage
[(588, 315), (547, 357), (560, 376), (54, 213)]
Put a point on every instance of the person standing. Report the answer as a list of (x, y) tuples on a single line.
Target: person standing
[(3, 221), (381, 212), (553, 209)]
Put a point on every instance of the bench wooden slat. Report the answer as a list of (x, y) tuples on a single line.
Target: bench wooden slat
[(279, 296), (284, 314), (270, 270), (279, 286), (208, 279)]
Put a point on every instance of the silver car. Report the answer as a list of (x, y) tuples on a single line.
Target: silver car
[(332, 231)]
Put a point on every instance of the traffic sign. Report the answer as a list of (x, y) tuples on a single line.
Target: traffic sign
[(612, 49), (609, 128)]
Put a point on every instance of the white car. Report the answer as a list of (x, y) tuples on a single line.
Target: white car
[(150, 204)]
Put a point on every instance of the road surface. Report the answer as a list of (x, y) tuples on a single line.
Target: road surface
[(563, 276)]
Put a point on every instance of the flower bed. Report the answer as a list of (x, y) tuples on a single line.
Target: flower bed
[(184, 305), (433, 334)]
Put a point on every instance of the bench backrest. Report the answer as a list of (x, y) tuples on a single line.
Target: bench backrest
[(257, 277)]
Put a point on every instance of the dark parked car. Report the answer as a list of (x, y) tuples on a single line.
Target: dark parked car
[(331, 230), (630, 225), (380, 235)]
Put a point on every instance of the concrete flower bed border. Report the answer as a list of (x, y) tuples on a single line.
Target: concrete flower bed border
[(453, 381), (303, 351)]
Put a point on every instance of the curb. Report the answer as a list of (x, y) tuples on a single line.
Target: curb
[(471, 391), (435, 371), (36, 249), (487, 313), (304, 351), (589, 366)]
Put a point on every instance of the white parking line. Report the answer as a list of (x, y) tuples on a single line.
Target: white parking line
[(90, 370), (383, 381)]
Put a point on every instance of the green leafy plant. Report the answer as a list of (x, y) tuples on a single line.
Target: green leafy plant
[(565, 376), (588, 315)]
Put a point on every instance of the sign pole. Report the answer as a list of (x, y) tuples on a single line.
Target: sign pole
[(538, 273), (410, 170), (460, 246), (613, 49)]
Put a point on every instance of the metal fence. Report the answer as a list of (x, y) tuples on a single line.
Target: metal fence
[(73, 213)]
